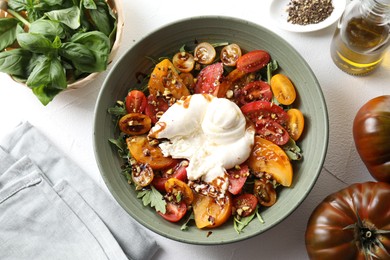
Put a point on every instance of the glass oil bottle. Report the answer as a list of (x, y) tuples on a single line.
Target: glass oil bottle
[(362, 36)]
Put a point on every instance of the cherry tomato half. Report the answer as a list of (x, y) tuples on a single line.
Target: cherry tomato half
[(209, 213), (135, 101), (204, 53), (270, 158), (178, 188), (253, 91), (209, 78), (174, 211), (178, 171), (188, 80), (283, 89), (244, 205), (135, 124), (155, 107), (296, 123), (230, 54), (142, 175), (272, 131), (142, 151), (237, 178), (264, 110), (265, 192), (183, 61), (253, 61)]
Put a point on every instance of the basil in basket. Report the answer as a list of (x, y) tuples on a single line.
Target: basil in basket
[(48, 44)]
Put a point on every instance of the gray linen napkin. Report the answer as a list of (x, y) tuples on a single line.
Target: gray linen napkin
[(30, 163)]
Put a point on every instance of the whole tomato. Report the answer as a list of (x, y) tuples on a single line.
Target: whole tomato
[(353, 223), (371, 132)]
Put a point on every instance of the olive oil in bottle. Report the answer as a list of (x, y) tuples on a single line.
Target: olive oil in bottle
[(362, 36)]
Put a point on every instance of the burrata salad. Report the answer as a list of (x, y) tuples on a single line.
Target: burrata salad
[(211, 137)]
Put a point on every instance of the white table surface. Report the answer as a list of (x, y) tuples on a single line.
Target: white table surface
[(67, 120)]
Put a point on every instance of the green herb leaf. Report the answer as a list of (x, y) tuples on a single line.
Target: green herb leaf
[(89, 4), (49, 29), (15, 62), (101, 18), (98, 43), (117, 111), (79, 55), (68, 16), (36, 43), (153, 198), (292, 150), (184, 227), (240, 224), (7, 31)]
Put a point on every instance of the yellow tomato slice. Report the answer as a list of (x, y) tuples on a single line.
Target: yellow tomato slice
[(295, 123), (209, 213), (179, 188), (165, 80), (270, 158), (283, 89), (143, 152)]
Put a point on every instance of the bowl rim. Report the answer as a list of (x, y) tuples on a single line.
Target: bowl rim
[(242, 237)]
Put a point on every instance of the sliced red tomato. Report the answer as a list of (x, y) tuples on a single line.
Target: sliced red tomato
[(135, 124), (264, 110), (230, 54), (265, 192), (272, 131), (253, 61), (253, 91), (178, 171), (208, 80), (244, 205), (174, 211), (155, 107), (237, 178), (135, 101), (142, 151)]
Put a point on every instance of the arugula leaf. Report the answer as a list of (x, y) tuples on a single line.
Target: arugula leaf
[(7, 32), (241, 223), (68, 16), (292, 150), (185, 225), (153, 198)]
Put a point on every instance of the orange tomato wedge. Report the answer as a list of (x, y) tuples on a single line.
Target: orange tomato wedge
[(210, 214), (295, 123), (144, 152), (165, 80), (270, 158), (283, 89)]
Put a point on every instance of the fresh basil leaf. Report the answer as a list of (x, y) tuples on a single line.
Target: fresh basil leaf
[(20, 5), (7, 31), (68, 16), (49, 29), (81, 57), (102, 19), (14, 62), (89, 4), (98, 43), (47, 72), (33, 42)]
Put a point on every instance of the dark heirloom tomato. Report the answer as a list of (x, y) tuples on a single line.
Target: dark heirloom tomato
[(353, 223), (371, 132), (208, 80), (265, 192)]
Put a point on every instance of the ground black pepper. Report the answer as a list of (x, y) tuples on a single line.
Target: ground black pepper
[(304, 12)]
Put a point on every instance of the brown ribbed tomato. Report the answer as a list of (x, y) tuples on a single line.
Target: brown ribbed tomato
[(353, 223), (371, 132)]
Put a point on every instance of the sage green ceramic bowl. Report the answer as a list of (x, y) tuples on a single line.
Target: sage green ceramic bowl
[(168, 39)]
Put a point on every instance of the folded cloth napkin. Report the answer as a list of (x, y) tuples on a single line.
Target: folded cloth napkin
[(51, 209)]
